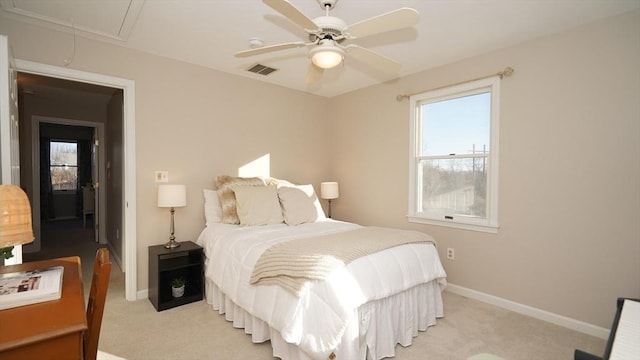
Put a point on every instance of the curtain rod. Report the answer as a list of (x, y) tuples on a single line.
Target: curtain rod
[(508, 71)]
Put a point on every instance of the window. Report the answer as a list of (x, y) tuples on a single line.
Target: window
[(64, 165), (454, 156)]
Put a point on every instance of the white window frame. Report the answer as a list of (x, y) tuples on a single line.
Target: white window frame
[(415, 214), (75, 166)]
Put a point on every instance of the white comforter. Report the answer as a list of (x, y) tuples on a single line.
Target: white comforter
[(316, 320)]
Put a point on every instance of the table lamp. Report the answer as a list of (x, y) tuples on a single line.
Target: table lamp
[(172, 196), (15, 219), (329, 191)]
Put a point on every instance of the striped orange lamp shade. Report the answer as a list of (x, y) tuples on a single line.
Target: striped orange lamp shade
[(15, 217)]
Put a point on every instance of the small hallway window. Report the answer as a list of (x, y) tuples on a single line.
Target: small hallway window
[(64, 165)]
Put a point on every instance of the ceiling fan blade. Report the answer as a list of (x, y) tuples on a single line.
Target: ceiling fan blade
[(373, 58), (314, 74), (292, 13), (268, 49), (397, 19)]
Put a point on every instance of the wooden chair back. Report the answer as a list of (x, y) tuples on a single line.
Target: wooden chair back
[(97, 298)]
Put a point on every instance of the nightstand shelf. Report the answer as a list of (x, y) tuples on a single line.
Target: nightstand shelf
[(185, 261)]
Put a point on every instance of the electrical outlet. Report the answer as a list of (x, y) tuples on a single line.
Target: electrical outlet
[(451, 253)]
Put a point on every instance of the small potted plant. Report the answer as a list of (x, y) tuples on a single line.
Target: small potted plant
[(177, 287)]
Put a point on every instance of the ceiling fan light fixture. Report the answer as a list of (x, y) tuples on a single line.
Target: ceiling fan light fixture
[(326, 55)]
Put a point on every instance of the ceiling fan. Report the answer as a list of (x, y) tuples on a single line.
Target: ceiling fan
[(327, 33)]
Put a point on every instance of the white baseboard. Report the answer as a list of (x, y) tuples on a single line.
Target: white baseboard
[(142, 294), (114, 255), (564, 321)]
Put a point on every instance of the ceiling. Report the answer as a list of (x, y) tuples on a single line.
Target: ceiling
[(208, 33)]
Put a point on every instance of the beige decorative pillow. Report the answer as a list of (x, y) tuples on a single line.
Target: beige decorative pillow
[(277, 182), (258, 205), (300, 204), (227, 197)]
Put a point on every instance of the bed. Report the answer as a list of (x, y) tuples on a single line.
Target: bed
[(360, 310)]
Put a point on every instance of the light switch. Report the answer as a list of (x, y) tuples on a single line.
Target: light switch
[(162, 176)]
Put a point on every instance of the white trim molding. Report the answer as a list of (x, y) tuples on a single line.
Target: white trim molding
[(143, 294), (418, 212), (535, 313)]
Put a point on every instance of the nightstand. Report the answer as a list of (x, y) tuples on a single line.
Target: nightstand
[(185, 261)]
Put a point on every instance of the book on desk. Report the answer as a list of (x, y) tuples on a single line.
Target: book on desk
[(30, 287)]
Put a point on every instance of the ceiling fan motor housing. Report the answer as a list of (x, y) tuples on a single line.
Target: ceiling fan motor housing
[(331, 28)]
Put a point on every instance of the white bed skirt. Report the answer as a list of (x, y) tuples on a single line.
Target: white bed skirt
[(382, 323)]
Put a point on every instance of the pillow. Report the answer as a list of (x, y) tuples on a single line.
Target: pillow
[(227, 198), (277, 182), (300, 204), (258, 205), (212, 209)]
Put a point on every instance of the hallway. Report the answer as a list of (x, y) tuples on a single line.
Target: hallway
[(62, 238)]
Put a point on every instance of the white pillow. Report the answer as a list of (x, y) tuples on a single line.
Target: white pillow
[(212, 208), (258, 205), (300, 204)]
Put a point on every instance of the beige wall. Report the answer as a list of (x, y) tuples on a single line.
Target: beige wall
[(569, 240), (195, 123)]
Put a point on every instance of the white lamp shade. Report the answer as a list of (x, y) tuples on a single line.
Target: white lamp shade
[(329, 190), (172, 195)]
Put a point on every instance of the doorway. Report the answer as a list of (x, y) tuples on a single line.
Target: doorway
[(62, 165), (121, 236), (60, 202)]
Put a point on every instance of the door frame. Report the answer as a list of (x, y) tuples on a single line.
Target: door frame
[(36, 120), (9, 132), (129, 261)]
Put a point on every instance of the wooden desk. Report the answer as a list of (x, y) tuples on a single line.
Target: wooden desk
[(47, 330)]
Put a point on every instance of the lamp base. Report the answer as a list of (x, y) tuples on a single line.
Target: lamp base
[(172, 244)]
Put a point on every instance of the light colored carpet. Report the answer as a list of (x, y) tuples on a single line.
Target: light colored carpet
[(470, 330)]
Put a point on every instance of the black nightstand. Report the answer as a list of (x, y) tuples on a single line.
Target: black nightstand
[(185, 261)]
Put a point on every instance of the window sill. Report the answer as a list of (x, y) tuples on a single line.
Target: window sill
[(456, 225)]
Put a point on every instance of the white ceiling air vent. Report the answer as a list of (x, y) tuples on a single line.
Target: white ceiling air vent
[(261, 69)]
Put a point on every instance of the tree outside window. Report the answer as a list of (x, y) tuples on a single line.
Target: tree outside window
[(64, 165)]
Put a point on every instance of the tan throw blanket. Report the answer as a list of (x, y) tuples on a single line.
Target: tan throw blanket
[(294, 263)]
